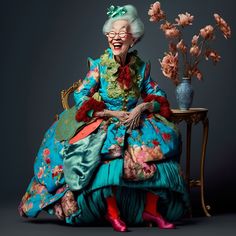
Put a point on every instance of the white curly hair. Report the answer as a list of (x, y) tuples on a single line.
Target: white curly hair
[(136, 25)]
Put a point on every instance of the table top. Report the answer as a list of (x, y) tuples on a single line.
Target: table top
[(191, 110), (193, 115)]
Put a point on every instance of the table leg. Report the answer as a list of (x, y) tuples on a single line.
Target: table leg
[(188, 152), (205, 123)]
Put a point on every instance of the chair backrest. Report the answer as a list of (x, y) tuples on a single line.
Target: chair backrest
[(66, 93)]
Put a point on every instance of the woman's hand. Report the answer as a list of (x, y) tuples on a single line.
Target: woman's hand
[(121, 115), (134, 116), (129, 119)]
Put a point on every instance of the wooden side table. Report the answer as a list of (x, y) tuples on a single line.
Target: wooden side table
[(194, 116)]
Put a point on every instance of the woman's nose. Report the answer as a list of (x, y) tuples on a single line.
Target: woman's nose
[(117, 36)]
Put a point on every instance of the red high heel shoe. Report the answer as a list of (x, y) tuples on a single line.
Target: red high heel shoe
[(159, 220), (117, 224)]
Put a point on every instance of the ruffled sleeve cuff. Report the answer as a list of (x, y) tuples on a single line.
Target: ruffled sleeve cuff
[(86, 111), (162, 107)]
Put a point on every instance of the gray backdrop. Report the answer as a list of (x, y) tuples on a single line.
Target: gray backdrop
[(44, 49)]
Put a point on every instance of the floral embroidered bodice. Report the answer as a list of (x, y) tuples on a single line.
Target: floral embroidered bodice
[(103, 77)]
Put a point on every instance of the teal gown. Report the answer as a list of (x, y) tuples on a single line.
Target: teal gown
[(91, 167)]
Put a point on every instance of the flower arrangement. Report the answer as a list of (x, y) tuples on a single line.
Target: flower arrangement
[(191, 55)]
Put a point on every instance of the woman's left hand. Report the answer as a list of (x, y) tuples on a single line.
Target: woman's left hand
[(134, 116)]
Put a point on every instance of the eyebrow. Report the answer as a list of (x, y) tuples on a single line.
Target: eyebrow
[(123, 27)]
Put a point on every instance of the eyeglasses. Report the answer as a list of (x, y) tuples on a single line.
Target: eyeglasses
[(121, 34)]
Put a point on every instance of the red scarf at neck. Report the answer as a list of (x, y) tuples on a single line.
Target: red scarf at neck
[(124, 79)]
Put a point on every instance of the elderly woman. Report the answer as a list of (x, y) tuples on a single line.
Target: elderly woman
[(108, 157)]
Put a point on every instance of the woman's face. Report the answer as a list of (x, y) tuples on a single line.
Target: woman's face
[(120, 38)]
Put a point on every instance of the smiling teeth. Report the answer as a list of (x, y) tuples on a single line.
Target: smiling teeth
[(117, 44)]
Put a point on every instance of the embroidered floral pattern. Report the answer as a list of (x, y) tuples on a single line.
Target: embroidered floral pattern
[(69, 204), (38, 197), (145, 153), (57, 170), (58, 211), (137, 171), (115, 150)]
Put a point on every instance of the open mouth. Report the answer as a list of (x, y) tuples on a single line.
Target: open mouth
[(117, 46)]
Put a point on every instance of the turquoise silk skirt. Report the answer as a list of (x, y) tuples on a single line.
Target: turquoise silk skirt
[(93, 166)]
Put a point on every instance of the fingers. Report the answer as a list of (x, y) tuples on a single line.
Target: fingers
[(127, 122), (135, 123), (132, 123)]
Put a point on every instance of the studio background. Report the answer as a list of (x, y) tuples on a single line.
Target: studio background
[(44, 49)]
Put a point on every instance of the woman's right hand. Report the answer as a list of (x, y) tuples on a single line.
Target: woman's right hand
[(121, 115)]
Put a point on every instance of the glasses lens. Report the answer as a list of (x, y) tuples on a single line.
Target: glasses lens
[(111, 34), (122, 34)]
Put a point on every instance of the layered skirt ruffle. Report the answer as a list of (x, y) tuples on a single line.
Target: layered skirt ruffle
[(48, 186)]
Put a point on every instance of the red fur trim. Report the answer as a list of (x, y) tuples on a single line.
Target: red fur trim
[(91, 104), (124, 79), (164, 104)]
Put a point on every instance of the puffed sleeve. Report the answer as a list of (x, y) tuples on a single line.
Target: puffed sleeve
[(85, 103), (152, 92)]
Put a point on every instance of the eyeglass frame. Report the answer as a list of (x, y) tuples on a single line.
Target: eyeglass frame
[(126, 34)]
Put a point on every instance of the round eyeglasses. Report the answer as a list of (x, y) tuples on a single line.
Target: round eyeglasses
[(121, 34)]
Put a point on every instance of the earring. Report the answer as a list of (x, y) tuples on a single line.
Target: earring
[(131, 45)]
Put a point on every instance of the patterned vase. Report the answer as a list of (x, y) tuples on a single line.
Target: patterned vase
[(184, 94)]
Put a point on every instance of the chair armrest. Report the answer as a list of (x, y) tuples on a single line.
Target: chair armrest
[(66, 93)]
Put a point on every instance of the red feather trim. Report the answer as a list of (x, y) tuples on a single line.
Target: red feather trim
[(91, 104), (164, 104)]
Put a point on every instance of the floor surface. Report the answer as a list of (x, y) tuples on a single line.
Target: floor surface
[(12, 224)]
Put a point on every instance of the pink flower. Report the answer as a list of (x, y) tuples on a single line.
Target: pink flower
[(41, 172), (46, 152), (181, 46), (197, 73), (26, 207), (93, 73), (224, 27), (192, 54), (170, 30), (120, 140), (115, 150), (38, 187), (195, 51), (57, 170), (184, 19), (26, 197), (207, 32), (169, 65), (155, 12), (213, 55), (195, 40)]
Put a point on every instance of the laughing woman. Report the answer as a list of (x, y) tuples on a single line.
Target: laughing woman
[(107, 157)]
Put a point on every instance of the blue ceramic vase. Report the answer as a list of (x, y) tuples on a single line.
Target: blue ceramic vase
[(184, 94)]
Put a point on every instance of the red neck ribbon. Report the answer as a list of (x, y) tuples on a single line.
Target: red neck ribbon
[(124, 78)]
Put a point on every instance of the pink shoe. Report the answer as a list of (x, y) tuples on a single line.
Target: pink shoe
[(162, 223), (117, 224)]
